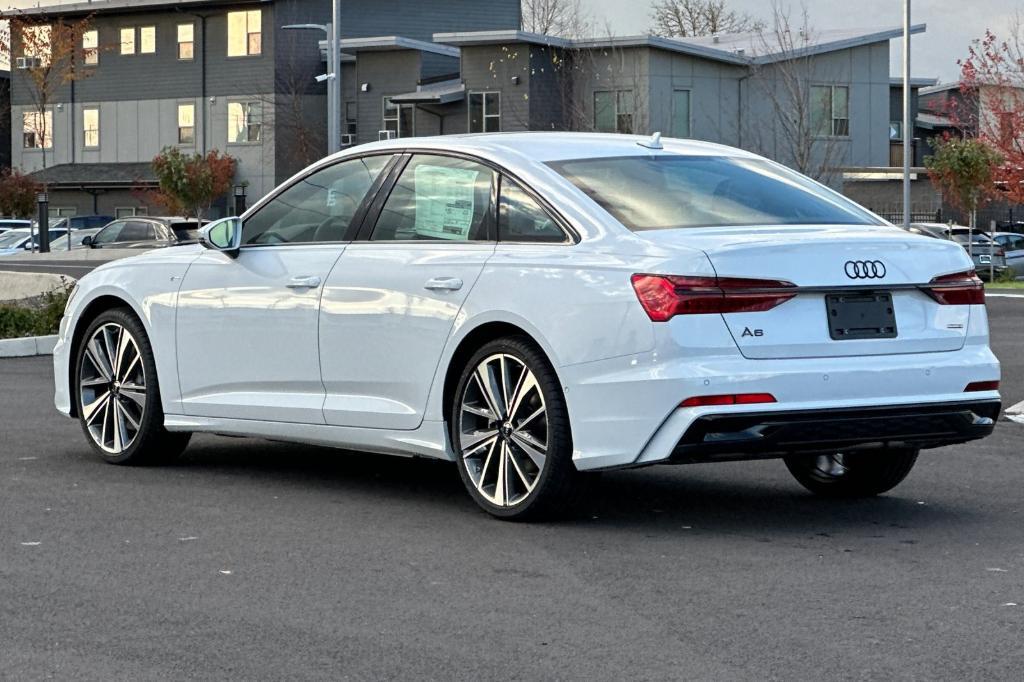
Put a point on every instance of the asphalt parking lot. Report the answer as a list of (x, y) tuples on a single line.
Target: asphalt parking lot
[(256, 560)]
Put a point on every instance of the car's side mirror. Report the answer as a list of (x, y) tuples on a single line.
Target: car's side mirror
[(87, 241), (27, 246), (223, 235)]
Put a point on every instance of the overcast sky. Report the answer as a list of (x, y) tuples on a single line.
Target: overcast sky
[(952, 24)]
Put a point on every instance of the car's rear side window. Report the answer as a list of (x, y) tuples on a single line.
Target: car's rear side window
[(673, 191)]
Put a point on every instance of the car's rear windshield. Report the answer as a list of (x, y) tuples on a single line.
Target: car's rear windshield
[(666, 192)]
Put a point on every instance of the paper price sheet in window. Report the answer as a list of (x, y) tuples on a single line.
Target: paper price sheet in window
[(445, 201)]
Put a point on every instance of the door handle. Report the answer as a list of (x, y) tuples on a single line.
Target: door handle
[(443, 284), (311, 282)]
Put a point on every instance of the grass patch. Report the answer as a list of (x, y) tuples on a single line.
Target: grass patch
[(1002, 284), (39, 320)]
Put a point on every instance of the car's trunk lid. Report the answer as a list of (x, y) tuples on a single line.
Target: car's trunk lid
[(837, 270)]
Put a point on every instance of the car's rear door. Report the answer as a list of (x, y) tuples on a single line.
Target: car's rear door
[(391, 301), (247, 331)]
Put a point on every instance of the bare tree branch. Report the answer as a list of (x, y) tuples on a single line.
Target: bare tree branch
[(564, 18), (683, 18)]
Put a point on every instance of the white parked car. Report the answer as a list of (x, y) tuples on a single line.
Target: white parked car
[(20, 240), (538, 306)]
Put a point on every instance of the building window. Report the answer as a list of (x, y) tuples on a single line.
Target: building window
[(130, 211), (351, 123), (91, 127), (244, 34), (35, 45), (186, 123), (613, 111), (147, 39), (90, 47), (484, 112), (681, 113), (830, 110), (128, 40), (245, 122), (37, 130), (896, 131), (186, 41), (63, 211), (398, 119)]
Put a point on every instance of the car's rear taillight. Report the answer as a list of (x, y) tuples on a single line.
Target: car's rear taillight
[(728, 399), (665, 296), (960, 288)]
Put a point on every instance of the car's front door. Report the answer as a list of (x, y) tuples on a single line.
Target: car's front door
[(247, 339), (391, 301)]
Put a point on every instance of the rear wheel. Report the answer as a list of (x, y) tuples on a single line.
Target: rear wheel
[(856, 474), (510, 431), (118, 393)]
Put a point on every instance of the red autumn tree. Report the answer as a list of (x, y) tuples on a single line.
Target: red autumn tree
[(193, 181), (18, 193)]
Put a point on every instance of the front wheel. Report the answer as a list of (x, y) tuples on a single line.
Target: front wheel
[(118, 394), (510, 432), (855, 474)]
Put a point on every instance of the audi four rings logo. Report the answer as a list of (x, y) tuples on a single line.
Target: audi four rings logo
[(865, 269)]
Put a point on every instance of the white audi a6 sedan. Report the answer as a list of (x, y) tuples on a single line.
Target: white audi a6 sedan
[(538, 306)]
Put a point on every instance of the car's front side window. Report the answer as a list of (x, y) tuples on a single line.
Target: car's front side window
[(319, 208), (439, 198), (109, 234)]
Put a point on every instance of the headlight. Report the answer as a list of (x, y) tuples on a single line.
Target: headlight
[(71, 297)]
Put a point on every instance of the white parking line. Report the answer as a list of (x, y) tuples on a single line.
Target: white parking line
[(1016, 412)]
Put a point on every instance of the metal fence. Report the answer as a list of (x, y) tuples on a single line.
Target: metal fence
[(1007, 219)]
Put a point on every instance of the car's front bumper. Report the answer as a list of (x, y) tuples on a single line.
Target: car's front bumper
[(61, 370)]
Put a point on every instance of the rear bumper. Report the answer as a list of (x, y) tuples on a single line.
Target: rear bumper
[(756, 435)]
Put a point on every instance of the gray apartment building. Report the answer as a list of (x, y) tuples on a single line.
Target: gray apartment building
[(224, 75), (201, 75)]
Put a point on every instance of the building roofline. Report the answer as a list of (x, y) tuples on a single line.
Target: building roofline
[(122, 6), (919, 82), (387, 43), (695, 47), (939, 87)]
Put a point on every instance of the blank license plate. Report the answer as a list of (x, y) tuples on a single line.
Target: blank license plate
[(863, 315)]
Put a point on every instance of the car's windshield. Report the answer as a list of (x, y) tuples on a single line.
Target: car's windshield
[(9, 239), (664, 192)]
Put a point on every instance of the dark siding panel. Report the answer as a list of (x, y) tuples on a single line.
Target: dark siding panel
[(491, 68), (550, 84), (420, 20)]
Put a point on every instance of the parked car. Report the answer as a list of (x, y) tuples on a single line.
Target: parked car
[(937, 230), (1013, 246), (76, 237), (21, 240), (989, 258), (13, 224), (80, 222), (144, 233), (536, 306)]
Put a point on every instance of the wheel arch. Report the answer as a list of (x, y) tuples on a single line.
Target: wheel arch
[(470, 342), (93, 309)]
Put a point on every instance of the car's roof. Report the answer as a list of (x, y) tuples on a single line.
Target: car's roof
[(559, 146)]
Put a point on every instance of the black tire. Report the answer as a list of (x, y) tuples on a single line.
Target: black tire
[(559, 488), (151, 443), (858, 474)]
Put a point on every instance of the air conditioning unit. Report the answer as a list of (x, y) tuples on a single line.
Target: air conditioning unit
[(348, 140), (386, 135), (21, 62)]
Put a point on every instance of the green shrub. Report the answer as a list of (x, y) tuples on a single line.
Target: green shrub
[(42, 320)]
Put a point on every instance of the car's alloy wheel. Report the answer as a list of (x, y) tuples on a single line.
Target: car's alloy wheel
[(853, 474), (503, 430), (118, 392), (112, 388), (509, 427)]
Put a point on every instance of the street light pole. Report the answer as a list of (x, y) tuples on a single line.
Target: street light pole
[(908, 126), (333, 78)]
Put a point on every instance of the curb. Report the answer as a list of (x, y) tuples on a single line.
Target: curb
[(27, 346)]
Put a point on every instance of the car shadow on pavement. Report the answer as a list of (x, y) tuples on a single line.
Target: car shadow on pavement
[(732, 498)]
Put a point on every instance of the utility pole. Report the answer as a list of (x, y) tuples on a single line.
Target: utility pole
[(908, 125), (333, 78)]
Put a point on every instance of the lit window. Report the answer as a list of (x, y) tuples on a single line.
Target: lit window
[(91, 127), (90, 47), (37, 130), (186, 123), (244, 122), (830, 110), (244, 33), (147, 39), (35, 44), (186, 41), (484, 112), (128, 40)]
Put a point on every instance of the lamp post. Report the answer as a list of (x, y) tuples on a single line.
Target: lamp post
[(908, 125), (333, 77), (44, 222), (239, 199)]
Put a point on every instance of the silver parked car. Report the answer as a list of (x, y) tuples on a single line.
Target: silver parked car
[(1013, 246)]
